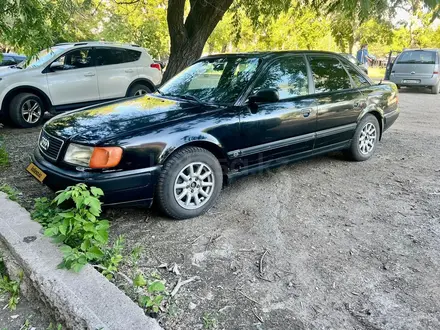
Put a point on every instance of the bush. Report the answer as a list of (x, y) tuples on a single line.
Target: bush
[(79, 227)]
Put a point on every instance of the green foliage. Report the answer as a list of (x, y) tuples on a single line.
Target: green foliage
[(209, 321), (112, 258), (154, 293), (10, 191), (85, 235), (52, 327), (8, 286), (4, 157)]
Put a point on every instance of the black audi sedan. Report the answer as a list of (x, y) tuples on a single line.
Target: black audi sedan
[(222, 117)]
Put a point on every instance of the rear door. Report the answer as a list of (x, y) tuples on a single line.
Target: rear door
[(287, 127), (116, 69), (415, 64), (338, 104)]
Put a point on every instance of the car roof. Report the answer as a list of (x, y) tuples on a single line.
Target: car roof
[(270, 54), (100, 44), (421, 49)]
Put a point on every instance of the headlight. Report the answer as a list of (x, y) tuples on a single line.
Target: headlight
[(77, 154), (93, 157)]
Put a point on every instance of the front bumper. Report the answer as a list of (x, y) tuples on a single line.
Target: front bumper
[(133, 187)]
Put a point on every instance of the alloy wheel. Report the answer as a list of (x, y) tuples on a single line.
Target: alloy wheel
[(194, 186), (31, 111), (140, 92), (367, 139)]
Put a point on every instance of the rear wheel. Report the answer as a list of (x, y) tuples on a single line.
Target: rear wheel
[(139, 90), (436, 88), (26, 110), (189, 183), (365, 139)]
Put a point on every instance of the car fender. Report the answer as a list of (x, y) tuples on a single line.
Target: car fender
[(8, 92), (200, 139), (375, 110), (143, 80)]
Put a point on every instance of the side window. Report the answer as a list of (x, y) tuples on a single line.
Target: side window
[(109, 56), (328, 74), (76, 59), (288, 75), (358, 79), (132, 55), (7, 60)]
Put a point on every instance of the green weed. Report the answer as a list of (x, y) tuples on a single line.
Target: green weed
[(10, 191)]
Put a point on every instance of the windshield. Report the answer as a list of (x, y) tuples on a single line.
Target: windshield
[(219, 80), (417, 56), (42, 57)]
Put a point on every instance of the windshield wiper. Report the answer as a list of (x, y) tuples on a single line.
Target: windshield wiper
[(190, 97), (15, 67), (184, 96)]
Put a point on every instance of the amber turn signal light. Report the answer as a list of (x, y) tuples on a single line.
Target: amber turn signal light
[(105, 157)]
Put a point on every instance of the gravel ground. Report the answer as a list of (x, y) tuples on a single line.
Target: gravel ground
[(349, 245)]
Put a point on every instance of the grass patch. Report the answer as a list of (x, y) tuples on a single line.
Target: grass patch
[(4, 157), (376, 72), (11, 192), (7, 286)]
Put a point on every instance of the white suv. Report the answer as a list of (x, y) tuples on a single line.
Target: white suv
[(74, 75)]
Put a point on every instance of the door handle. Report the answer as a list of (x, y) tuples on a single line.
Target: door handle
[(128, 70), (306, 112), (89, 74)]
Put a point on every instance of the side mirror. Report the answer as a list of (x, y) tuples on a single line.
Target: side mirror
[(267, 95), (56, 66)]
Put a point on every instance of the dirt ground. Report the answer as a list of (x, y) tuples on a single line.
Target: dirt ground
[(349, 245)]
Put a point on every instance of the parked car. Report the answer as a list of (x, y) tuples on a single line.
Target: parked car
[(11, 59), (354, 60), (417, 68), (73, 75), (222, 117)]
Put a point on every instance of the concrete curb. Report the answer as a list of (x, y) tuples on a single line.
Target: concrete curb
[(81, 301)]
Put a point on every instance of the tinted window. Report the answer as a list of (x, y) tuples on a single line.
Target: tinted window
[(288, 75), (7, 60), (417, 56), (76, 59), (213, 80), (109, 56), (132, 55), (358, 79), (328, 74)]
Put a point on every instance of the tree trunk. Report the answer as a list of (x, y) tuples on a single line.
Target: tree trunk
[(188, 37)]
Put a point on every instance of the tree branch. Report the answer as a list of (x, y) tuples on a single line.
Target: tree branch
[(175, 14)]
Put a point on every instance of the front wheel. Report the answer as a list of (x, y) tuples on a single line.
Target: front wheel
[(189, 183), (365, 139), (26, 110)]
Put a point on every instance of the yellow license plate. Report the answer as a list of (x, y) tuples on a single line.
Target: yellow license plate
[(36, 172)]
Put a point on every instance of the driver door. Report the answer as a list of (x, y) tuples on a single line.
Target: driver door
[(280, 129), (74, 80)]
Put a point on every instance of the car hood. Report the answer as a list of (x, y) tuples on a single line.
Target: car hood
[(8, 71), (107, 121)]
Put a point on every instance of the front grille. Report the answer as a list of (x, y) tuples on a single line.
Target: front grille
[(50, 145)]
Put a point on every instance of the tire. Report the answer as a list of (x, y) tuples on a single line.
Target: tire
[(139, 90), (359, 149), (26, 110), (436, 88), (171, 193)]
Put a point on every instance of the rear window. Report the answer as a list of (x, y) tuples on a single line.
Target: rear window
[(417, 57)]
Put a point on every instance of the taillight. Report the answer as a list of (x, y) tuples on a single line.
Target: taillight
[(435, 72), (156, 66)]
